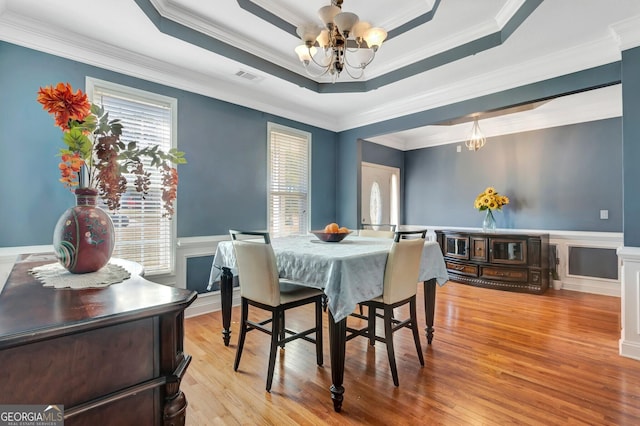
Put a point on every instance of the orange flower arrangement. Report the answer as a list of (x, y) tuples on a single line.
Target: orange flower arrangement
[(93, 148)]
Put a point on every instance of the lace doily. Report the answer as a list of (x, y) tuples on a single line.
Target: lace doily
[(56, 276)]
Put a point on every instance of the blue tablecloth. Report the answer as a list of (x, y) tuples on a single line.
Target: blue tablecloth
[(349, 272)]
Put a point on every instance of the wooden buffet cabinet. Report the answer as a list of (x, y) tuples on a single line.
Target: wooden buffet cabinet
[(501, 260), (111, 356)]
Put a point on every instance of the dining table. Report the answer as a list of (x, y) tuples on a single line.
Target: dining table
[(349, 272)]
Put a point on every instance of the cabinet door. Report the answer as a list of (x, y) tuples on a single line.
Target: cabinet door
[(478, 249), (456, 246), (509, 251)]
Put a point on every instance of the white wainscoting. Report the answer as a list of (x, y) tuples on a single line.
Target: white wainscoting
[(198, 247), (210, 302), (564, 240), (630, 302)]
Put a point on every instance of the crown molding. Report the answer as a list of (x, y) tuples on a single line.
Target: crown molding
[(588, 55), (509, 9), (627, 32), (190, 19), (39, 36), (431, 49)]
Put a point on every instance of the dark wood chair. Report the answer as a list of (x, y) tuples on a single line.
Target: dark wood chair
[(399, 288), (261, 287)]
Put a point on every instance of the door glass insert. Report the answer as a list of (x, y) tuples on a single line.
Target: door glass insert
[(375, 203)]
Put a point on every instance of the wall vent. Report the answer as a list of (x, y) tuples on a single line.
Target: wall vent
[(248, 76)]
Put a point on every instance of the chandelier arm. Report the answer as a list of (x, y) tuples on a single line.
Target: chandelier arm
[(326, 70), (362, 65), (353, 76), (327, 65)]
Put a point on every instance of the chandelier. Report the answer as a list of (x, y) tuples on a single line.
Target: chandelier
[(476, 139), (347, 43)]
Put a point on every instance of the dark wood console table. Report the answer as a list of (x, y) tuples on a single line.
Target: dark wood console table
[(504, 260), (111, 356)]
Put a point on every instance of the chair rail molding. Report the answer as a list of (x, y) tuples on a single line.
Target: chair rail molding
[(630, 302)]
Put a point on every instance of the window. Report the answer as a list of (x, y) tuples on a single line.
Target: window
[(288, 180), (142, 234)]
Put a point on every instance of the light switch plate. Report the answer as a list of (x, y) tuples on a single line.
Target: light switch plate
[(604, 214), (459, 148)]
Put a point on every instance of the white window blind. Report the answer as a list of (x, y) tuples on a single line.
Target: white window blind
[(288, 180), (142, 234)]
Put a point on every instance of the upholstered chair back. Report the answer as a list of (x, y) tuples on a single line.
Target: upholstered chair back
[(402, 270)]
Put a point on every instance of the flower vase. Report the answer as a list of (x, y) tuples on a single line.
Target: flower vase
[(83, 238), (489, 222)]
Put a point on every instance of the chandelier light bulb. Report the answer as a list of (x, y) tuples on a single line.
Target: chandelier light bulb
[(345, 21), (359, 29), (374, 37), (305, 53), (308, 33), (323, 39), (327, 13)]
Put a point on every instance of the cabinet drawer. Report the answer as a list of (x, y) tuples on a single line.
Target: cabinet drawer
[(505, 274), (479, 249), (458, 268)]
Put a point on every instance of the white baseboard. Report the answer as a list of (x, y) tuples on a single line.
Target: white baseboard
[(210, 302), (630, 349)]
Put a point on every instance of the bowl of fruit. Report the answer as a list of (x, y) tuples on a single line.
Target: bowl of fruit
[(332, 233)]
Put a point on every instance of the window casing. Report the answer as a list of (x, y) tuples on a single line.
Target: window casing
[(289, 171), (142, 234)]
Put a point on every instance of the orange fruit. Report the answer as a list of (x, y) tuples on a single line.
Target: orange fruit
[(343, 230), (331, 228)]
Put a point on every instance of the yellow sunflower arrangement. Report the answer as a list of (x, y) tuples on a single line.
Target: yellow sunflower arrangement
[(490, 199)]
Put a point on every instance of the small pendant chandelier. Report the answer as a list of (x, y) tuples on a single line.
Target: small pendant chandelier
[(476, 139), (347, 43)]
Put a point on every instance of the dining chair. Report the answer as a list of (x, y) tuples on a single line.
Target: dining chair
[(399, 288), (261, 287), (382, 230)]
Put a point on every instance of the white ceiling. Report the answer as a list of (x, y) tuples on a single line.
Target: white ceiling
[(558, 37)]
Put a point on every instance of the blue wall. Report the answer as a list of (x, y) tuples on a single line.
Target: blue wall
[(557, 178), (631, 144), (222, 186), (349, 141)]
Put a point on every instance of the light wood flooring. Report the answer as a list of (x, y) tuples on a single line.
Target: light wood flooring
[(497, 358)]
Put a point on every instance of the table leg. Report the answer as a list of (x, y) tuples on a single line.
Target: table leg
[(429, 307), (337, 345), (226, 300)]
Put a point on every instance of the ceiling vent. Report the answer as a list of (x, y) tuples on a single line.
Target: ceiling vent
[(249, 76)]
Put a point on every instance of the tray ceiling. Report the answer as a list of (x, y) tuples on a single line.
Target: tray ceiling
[(241, 51)]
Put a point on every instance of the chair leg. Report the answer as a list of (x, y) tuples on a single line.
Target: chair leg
[(244, 314), (282, 332), (388, 336), (275, 334), (371, 325), (319, 349), (414, 328)]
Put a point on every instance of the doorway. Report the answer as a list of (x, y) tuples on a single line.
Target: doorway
[(380, 194)]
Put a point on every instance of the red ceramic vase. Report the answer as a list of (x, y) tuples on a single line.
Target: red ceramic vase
[(84, 237)]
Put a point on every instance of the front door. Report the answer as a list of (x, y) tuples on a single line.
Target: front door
[(380, 194)]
